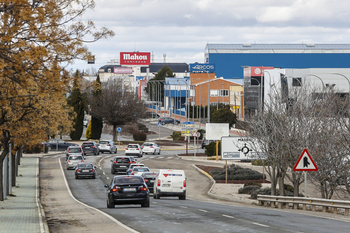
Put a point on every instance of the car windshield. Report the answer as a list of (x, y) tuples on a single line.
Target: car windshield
[(133, 146), (74, 150), (85, 165), (75, 158), (128, 180)]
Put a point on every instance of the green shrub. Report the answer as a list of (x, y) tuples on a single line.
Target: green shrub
[(260, 163), (139, 136), (210, 150), (252, 183), (248, 189), (235, 173), (88, 131), (143, 128), (177, 136), (288, 187)]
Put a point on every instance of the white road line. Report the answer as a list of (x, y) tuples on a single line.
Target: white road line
[(262, 225), (185, 207), (101, 212), (203, 210), (107, 177), (227, 216), (169, 157), (160, 157)]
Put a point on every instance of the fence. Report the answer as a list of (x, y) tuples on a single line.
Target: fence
[(325, 204)]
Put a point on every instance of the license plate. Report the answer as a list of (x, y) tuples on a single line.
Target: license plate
[(87, 147), (85, 170), (129, 189), (166, 185), (122, 166), (152, 181)]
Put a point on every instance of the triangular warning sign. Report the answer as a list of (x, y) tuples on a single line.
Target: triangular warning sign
[(305, 163), (166, 175)]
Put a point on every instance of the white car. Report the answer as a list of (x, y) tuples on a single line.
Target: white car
[(133, 150), (150, 148), (74, 160), (128, 172), (170, 183), (138, 171), (107, 146)]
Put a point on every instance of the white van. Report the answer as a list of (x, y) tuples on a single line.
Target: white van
[(170, 183)]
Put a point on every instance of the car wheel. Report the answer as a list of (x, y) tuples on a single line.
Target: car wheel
[(159, 152), (109, 152), (102, 152), (112, 171), (76, 177), (94, 177), (110, 203), (182, 197), (145, 204), (115, 151), (154, 152)]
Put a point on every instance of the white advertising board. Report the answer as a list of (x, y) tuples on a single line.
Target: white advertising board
[(237, 148), (214, 131)]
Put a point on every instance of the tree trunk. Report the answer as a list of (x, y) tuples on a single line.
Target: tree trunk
[(13, 169), (7, 175), (273, 181), (114, 133), (296, 185), (281, 183), (5, 145)]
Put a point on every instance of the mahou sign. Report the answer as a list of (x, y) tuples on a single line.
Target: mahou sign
[(135, 58)]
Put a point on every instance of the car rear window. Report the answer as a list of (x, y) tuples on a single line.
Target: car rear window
[(128, 180), (133, 146), (74, 150), (88, 144), (75, 158), (103, 142), (122, 160), (85, 165), (141, 169), (148, 144)]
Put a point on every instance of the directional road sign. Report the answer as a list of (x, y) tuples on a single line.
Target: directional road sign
[(119, 129), (305, 163)]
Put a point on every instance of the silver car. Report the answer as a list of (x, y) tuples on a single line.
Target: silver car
[(73, 161), (107, 146)]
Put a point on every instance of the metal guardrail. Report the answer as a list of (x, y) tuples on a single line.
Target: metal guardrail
[(304, 201)]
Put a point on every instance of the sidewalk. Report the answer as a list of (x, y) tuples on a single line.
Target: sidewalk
[(22, 210)]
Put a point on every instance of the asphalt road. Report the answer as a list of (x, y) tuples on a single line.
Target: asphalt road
[(198, 213)]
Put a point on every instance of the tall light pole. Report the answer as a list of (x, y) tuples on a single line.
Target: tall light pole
[(208, 96)]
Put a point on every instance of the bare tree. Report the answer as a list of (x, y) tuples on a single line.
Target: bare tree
[(116, 106)]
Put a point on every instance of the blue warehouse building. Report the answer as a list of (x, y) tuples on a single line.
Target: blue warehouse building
[(229, 59)]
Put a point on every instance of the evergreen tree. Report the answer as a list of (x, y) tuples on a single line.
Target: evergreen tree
[(96, 122), (77, 101)]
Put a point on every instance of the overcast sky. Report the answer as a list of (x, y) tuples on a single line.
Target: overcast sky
[(182, 28)]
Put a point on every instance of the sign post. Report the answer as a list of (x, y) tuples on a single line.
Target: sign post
[(159, 125), (305, 163), (119, 130), (195, 135)]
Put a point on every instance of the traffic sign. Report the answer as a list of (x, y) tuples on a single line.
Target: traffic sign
[(159, 124), (305, 163), (195, 134), (119, 129)]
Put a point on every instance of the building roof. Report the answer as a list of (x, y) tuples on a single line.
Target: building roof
[(104, 69), (295, 48), (175, 67)]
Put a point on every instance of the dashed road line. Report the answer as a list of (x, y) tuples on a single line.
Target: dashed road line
[(203, 210), (227, 216), (258, 224)]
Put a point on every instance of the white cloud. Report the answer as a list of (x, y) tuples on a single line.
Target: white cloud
[(182, 28)]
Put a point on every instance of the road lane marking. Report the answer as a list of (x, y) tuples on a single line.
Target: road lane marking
[(258, 224), (185, 207), (203, 210), (101, 212), (227, 216)]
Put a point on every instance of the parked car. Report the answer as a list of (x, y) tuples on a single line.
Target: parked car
[(138, 171), (150, 179), (133, 149), (85, 170), (168, 120), (127, 190), (205, 143), (74, 150), (53, 144), (170, 183), (150, 147), (90, 147), (131, 166), (121, 164), (107, 146), (73, 161), (152, 115)]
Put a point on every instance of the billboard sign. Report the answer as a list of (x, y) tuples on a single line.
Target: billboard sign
[(123, 70), (135, 58), (214, 131), (200, 67)]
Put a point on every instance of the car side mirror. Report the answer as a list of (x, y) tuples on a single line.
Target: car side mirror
[(112, 161), (95, 167), (106, 186)]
